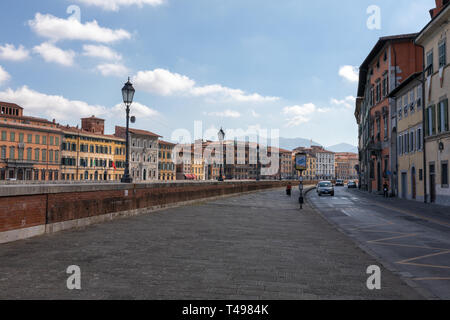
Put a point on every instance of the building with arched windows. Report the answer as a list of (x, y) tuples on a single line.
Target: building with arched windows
[(29, 146), (144, 148)]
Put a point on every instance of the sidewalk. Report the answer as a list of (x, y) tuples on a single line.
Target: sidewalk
[(256, 246), (430, 212)]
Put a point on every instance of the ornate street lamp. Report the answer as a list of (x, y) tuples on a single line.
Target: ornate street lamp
[(128, 95), (221, 136)]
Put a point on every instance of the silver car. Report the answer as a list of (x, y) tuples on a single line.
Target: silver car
[(325, 187)]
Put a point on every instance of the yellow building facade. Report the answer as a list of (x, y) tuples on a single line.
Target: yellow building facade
[(87, 154), (166, 166)]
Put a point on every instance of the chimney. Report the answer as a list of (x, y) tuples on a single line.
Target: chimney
[(440, 5)]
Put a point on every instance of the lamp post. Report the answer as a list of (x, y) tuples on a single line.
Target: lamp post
[(127, 94), (221, 135)]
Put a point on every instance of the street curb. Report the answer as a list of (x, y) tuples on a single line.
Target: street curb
[(428, 295)]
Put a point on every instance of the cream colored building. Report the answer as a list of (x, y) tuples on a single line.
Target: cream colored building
[(434, 38), (409, 144)]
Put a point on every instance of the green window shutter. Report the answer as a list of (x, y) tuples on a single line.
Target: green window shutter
[(433, 119), (427, 121), (439, 119), (446, 114)]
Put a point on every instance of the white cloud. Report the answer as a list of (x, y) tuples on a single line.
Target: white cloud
[(51, 53), (255, 114), (51, 106), (114, 5), (102, 52), (10, 52), (349, 73), (138, 110), (54, 28), (113, 69), (224, 114), (348, 102), (163, 82), (166, 83), (4, 76), (299, 114)]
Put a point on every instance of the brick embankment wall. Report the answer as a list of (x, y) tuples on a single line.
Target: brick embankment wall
[(27, 211)]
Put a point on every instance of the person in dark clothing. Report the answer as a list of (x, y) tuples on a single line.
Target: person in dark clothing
[(289, 189), (386, 189)]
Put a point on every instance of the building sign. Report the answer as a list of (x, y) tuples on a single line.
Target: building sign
[(300, 162)]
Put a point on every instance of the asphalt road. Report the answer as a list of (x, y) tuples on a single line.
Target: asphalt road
[(256, 246), (410, 238)]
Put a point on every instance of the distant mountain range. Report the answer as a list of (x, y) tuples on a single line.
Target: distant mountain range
[(290, 144), (293, 143), (343, 147)]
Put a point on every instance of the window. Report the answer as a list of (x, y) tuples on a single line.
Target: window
[(52, 140), (406, 143), (37, 139), (429, 63), (411, 142), (419, 96), (12, 153), (12, 137), (44, 140), (444, 174), (37, 155), (442, 54), (419, 139), (3, 155), (21, 137), (385, 127), (443, 116), (44, 155), (3, 135), (50, 155), (30, 138), (29, 151), (56, 141), (405, 104), (430, 121), (412, 98)]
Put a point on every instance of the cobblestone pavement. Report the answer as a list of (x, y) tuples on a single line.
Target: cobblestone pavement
[(409, 237), (257, 246)]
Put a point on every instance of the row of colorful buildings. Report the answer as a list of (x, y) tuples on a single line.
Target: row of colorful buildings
[(402, 113), (35, 149)]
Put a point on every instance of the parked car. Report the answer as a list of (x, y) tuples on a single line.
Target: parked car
[(325, 187), (339, 183), (351, 184)]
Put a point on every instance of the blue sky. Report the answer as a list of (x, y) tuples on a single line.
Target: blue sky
[(234, 63)]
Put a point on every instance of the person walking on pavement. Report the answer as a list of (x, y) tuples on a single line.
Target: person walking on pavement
[(288, 189), (386, 189)]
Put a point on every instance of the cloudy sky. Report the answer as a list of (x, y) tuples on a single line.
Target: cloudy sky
[(286, 64)]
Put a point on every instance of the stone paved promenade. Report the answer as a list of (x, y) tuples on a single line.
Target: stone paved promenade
[(257, 246)]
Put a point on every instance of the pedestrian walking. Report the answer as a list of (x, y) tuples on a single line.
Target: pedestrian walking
[(289, 189), (386, 189)]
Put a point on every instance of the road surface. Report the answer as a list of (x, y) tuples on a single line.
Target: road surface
[(410, 238)]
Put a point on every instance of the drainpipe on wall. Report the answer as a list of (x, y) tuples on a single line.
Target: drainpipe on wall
[(425, 196)]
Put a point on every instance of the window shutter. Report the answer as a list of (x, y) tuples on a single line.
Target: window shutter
[(445, 102), (433, 119), (427, 122), (440, 105)]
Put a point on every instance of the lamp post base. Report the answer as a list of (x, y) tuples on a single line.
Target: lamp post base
[(126, 179)]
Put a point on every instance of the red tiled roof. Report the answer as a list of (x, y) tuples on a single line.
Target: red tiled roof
[(166, 143), (141, 132), (7, 104)]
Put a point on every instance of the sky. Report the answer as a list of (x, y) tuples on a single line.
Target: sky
[(287, 66)]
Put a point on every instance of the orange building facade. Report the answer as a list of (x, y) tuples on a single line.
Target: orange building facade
[(29, 146), (391, 61)]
